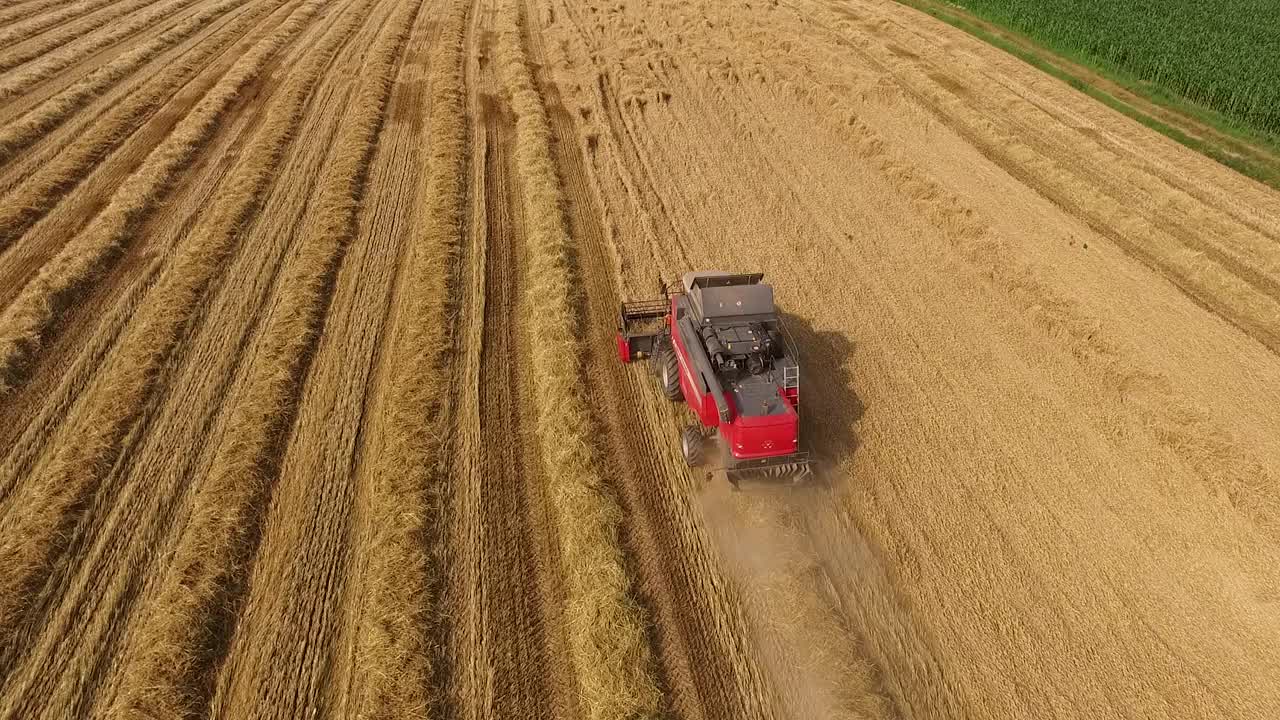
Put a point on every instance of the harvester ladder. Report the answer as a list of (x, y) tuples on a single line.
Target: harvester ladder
[(791, 380)]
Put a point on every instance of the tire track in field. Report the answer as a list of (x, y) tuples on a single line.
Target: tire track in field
[(604, 626), (632, 166), (361, 320), (701, 635), (507, 561), (699, 674), (466, 686)]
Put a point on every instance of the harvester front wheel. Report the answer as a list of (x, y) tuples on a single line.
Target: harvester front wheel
[(691, 445), (669, 374)]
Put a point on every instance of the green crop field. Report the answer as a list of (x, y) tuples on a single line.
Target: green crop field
[(1223, 54)]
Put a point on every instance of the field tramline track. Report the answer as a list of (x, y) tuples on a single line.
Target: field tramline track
[(309, 404)]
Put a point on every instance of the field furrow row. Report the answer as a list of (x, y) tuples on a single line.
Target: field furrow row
[(204, 584), (49, 64), (32, 29), (66, 40), (40, 120), (605, 629), (24, 9), (24, 320), (317, 399), (403, 466)]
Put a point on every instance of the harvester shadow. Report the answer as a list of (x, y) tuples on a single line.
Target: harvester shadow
[(830, 407)]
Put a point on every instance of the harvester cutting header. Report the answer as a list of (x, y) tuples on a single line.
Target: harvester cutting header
[(719, 344)]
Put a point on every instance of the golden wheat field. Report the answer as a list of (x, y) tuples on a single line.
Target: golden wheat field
[(309, 403)]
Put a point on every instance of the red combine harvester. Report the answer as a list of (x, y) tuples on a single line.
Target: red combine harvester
[(718, 343)]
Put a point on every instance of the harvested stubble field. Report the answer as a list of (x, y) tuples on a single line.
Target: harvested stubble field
[(309, 406)]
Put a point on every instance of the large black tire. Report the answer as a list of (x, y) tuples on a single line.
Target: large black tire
[(691, 446), (668, 369)]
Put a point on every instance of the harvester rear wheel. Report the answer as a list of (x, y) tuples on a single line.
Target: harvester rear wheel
[(669, 374), (691, 445)]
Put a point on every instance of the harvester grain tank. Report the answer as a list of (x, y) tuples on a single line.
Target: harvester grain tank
[(717, 343)]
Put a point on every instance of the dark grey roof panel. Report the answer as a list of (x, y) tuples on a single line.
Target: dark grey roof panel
[(734, 300)]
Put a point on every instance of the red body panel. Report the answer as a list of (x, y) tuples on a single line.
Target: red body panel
[(750, 438), (747, 437)]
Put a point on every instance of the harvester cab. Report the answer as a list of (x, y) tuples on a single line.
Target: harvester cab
[(717, 343)]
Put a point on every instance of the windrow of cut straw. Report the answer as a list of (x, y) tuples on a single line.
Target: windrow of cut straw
[(64, 32), (114, 401), (28, 27), (201, 586), (28, 200), (604, 626), (36, 122), (23, 322), (407, 464), (19, 12), (59, 57)]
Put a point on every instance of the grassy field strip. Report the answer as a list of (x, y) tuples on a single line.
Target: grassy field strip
[(64, 56), (57, 486), (604, 625), (23, 322), (37, 122), (1209, 257), (1208, 131), (395, 664), (24, 48), (1222, 55)]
